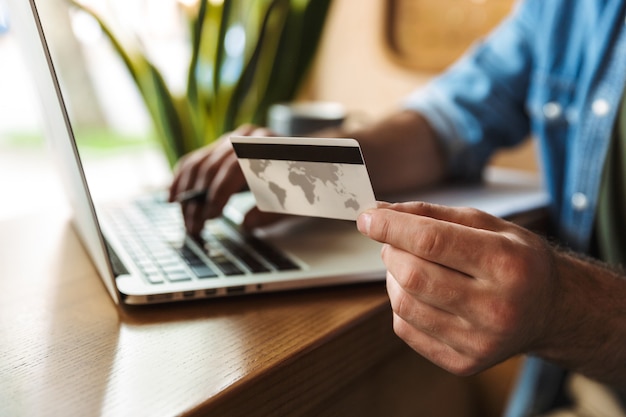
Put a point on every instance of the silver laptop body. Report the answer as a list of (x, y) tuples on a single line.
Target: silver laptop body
[(304, 252)]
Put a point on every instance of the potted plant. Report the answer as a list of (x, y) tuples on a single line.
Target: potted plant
[(245, 55)]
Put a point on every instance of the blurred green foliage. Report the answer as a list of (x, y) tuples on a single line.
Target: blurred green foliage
[(245, 56)]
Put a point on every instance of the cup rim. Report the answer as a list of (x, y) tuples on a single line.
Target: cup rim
[(327, 110)]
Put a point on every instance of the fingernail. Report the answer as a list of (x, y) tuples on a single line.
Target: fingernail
[(363, 223)]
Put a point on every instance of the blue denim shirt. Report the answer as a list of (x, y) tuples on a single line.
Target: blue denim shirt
[(553, 70)]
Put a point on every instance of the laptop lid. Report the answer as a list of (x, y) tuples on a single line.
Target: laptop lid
[(60, 135), (328, 252)]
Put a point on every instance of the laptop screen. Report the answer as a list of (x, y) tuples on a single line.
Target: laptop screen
[(95, 122), (111, 127)]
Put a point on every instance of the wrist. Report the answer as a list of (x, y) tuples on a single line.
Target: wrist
[(586, 326)]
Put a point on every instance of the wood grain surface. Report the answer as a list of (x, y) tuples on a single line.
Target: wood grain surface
[(66, 349)]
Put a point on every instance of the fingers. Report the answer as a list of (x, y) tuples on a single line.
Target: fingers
[(466, 288), (208, 166), (192, 168), (460, 215), (437, 285), (214, 168), (219, 173), (436, 351), (457, 246), (227, 180), (449, 340), (182, 172), (428, 318)]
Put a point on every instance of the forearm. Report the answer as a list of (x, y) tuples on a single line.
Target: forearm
[(588, 334), (401, 152)]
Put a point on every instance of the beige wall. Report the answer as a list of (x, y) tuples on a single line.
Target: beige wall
[(355, 67)]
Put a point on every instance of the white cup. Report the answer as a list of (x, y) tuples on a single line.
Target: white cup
[(305, 118)]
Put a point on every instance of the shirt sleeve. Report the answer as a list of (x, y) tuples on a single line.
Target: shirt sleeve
[(478, 104)]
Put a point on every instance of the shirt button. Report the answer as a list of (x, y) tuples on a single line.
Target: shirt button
[(552, 110), (579, 201), (600, 107)]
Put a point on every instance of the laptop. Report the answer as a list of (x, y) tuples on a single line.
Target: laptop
[(140, 249)]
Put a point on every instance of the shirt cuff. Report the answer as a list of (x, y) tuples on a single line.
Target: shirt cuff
[(464, 160)]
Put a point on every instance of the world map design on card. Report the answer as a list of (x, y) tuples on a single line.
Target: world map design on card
[(318, 177)]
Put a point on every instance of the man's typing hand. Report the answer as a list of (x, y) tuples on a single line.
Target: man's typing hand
[(205, 179)]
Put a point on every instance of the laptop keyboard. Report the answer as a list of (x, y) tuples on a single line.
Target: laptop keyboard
[(153, 234)]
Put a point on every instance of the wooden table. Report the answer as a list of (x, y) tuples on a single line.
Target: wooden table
[(66, 349)]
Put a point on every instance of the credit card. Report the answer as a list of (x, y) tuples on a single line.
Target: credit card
[(319, 177)]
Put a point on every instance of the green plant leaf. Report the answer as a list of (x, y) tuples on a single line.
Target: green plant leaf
[(131, 64), (196, 38), (176, 138), (246, 80), (281, 39), (299, 44), (220, 41)]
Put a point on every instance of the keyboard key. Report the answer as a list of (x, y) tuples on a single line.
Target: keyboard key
[(177, 276), (274, 257), (225, 265), (244, 256), (190, 257), (203, 271), (155, 278), (174, 269)]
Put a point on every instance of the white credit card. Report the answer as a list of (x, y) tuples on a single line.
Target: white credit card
[(320, 177)]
